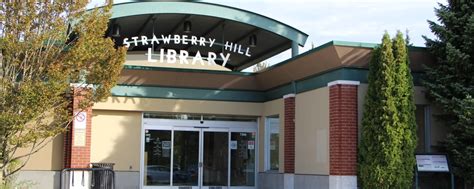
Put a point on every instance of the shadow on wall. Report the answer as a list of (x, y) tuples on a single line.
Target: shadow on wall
[(116, 139), (43, 168), (58, 152)]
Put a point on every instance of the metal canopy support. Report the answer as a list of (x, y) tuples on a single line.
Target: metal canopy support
[(247, 35), (180, 23), (147, 21), (176, 27), (294, 49), (141, 29), (111, 25), (209, 31)]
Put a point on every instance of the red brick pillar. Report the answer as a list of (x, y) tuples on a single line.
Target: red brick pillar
[(343, 133), (289, 134), (77, 140)]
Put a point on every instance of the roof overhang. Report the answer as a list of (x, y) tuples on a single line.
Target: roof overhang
[(208, 20)]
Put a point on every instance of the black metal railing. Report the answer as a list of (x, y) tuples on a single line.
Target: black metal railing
[(103, 178)]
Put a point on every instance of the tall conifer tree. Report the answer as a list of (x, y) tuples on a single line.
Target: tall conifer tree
[(388, 139), (450, 82)]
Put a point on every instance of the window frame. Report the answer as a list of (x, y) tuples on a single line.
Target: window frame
[(267, 166)]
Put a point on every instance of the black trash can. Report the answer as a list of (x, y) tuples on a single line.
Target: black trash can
[(103, 179)]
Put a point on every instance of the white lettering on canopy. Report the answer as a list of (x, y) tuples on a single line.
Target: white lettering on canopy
[(172, 56)]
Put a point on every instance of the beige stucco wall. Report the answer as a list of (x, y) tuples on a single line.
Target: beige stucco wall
[(115, 138), (312, 132), (50, 157), (184, 106), (438, 130), (117, 122), (119, 115)]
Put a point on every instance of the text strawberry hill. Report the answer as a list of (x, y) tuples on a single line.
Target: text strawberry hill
[(182, 56)]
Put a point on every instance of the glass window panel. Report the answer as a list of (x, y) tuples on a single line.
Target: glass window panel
[(242, 161), (215, 165), (157, 157), (420, 123), (273, 137), (185, 158)]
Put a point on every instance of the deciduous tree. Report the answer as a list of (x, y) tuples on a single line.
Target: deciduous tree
[(45, 46)]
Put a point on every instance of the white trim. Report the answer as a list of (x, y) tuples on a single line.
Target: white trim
[(81, 85), (142, 152), (289, 95), (266, 145), (343, 82)]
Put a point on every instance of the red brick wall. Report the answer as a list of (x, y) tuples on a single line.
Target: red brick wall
[(343, 129), (77, 156), (289, 135)]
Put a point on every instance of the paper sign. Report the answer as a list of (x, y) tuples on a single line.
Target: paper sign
[(233, 145), (166, 145), (251, 144), (79, 137), (80, 120), (432, 163)]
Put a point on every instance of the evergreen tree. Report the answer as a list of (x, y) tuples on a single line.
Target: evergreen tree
[(388, 126), (406, 110), (450, 82)]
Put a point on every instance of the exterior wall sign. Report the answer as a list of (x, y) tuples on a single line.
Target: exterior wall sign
[(172, 56), (80, 120), (80, 125), (432, 163)]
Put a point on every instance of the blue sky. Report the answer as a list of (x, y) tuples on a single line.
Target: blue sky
[(345, 20)]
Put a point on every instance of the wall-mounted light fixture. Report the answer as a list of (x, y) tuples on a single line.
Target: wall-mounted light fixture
[(116, 30), (187, 27), (253, 40)]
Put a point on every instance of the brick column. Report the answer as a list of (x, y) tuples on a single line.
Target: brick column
[(289, 134), (77, 139), (343, 134)]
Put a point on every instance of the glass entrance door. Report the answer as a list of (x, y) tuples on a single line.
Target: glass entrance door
[(189, 157), (242, 158), (186, 158), (215, 159)]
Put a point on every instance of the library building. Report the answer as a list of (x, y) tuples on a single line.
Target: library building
[(184, 115)]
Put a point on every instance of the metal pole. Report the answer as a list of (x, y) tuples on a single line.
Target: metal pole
[(294, 49), (416, 179), (452, 180)]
